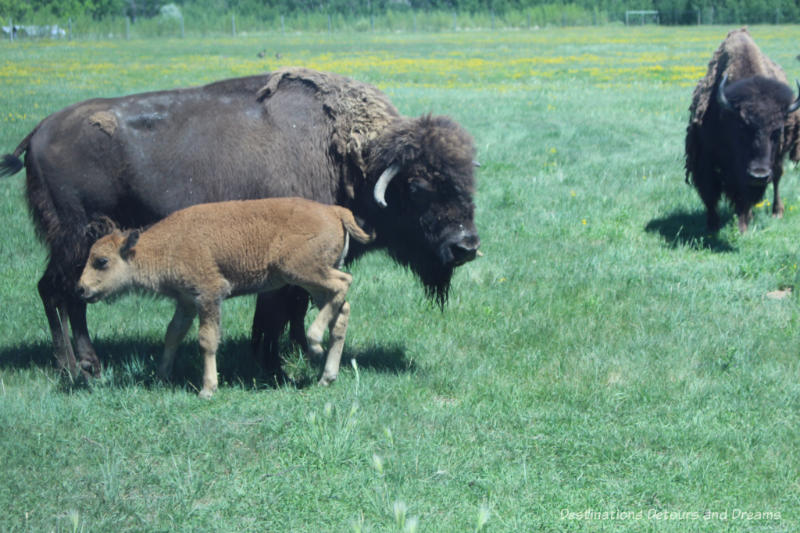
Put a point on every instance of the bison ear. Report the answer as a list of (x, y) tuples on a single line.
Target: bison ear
[(127, 250), (99, 227)]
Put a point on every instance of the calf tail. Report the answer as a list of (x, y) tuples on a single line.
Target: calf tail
[(352, 227), (10, 164)]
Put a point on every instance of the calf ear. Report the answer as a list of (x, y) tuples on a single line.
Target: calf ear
[(127, 250)]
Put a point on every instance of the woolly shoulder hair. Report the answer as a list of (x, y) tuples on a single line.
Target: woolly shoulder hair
[(739, 57), (358, 111)]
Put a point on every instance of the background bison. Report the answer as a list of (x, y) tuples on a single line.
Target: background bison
[(742, 124), (293, 132)]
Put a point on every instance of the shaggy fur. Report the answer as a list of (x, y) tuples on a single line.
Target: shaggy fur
[(717, 160), (205, 253), (293, 132)]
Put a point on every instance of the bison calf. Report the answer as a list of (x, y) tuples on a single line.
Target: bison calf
[(208, 252)]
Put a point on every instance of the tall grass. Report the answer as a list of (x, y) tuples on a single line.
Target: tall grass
[(606, 366)]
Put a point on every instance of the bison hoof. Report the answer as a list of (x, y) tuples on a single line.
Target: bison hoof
[(90, 369), (327, 379)]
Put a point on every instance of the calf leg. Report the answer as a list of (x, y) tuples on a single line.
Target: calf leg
[(176, 331), (338, 333), (329, 295), (208, 335)]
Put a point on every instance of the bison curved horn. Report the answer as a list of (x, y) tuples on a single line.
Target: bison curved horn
[(383, 182), (796, 104), (721, 98)]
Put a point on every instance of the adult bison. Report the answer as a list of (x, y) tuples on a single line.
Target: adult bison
[(742, 124), (293, 132)]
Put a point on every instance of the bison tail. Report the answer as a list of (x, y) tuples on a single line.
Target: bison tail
[(10, 165), (352, 227)]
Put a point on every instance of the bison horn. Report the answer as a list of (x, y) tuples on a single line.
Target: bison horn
[(383, 182), (796, 104), (721, 98)]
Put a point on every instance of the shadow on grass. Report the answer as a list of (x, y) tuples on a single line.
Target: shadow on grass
[(385, 359), (134, 362), (682, 228)]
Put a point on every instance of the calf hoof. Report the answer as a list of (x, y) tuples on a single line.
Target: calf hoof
[(315, 350), (327, 379), (206, 394)]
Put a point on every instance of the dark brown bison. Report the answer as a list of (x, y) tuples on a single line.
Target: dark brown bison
[(742, 125), (293, 132)]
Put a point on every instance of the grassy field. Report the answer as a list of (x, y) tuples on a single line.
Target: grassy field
[(606, 366)]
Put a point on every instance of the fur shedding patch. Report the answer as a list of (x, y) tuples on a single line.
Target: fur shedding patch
[(104, 120)]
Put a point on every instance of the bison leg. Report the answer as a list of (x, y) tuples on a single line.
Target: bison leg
[(777, 204), (176, 331), (57, 320), (87, 357), (744, 216), (709, 187), (710, 193), (273, 311), (208, 334)]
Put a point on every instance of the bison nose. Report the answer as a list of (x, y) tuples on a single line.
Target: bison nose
[(759, 172), (465, 249)]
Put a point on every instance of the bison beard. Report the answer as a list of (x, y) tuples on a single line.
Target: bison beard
[(435, 276)]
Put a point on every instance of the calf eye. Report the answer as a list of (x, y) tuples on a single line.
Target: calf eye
[(100, 263)]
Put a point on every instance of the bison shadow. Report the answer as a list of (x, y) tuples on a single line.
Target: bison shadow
[(682, 228), (134, 362)]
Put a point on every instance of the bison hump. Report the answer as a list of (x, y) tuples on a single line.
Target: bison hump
[(358, 111)]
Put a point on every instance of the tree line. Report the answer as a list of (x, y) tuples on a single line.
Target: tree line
[(670, 11)]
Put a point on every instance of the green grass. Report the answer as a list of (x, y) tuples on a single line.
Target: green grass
[(606, 354)]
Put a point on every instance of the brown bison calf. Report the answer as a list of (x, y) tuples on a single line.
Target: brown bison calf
[(208, 252)]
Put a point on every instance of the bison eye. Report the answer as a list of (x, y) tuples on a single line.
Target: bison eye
[(100, 263), (421, 191)]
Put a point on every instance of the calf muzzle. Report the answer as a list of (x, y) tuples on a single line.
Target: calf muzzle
[(86, 294)]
